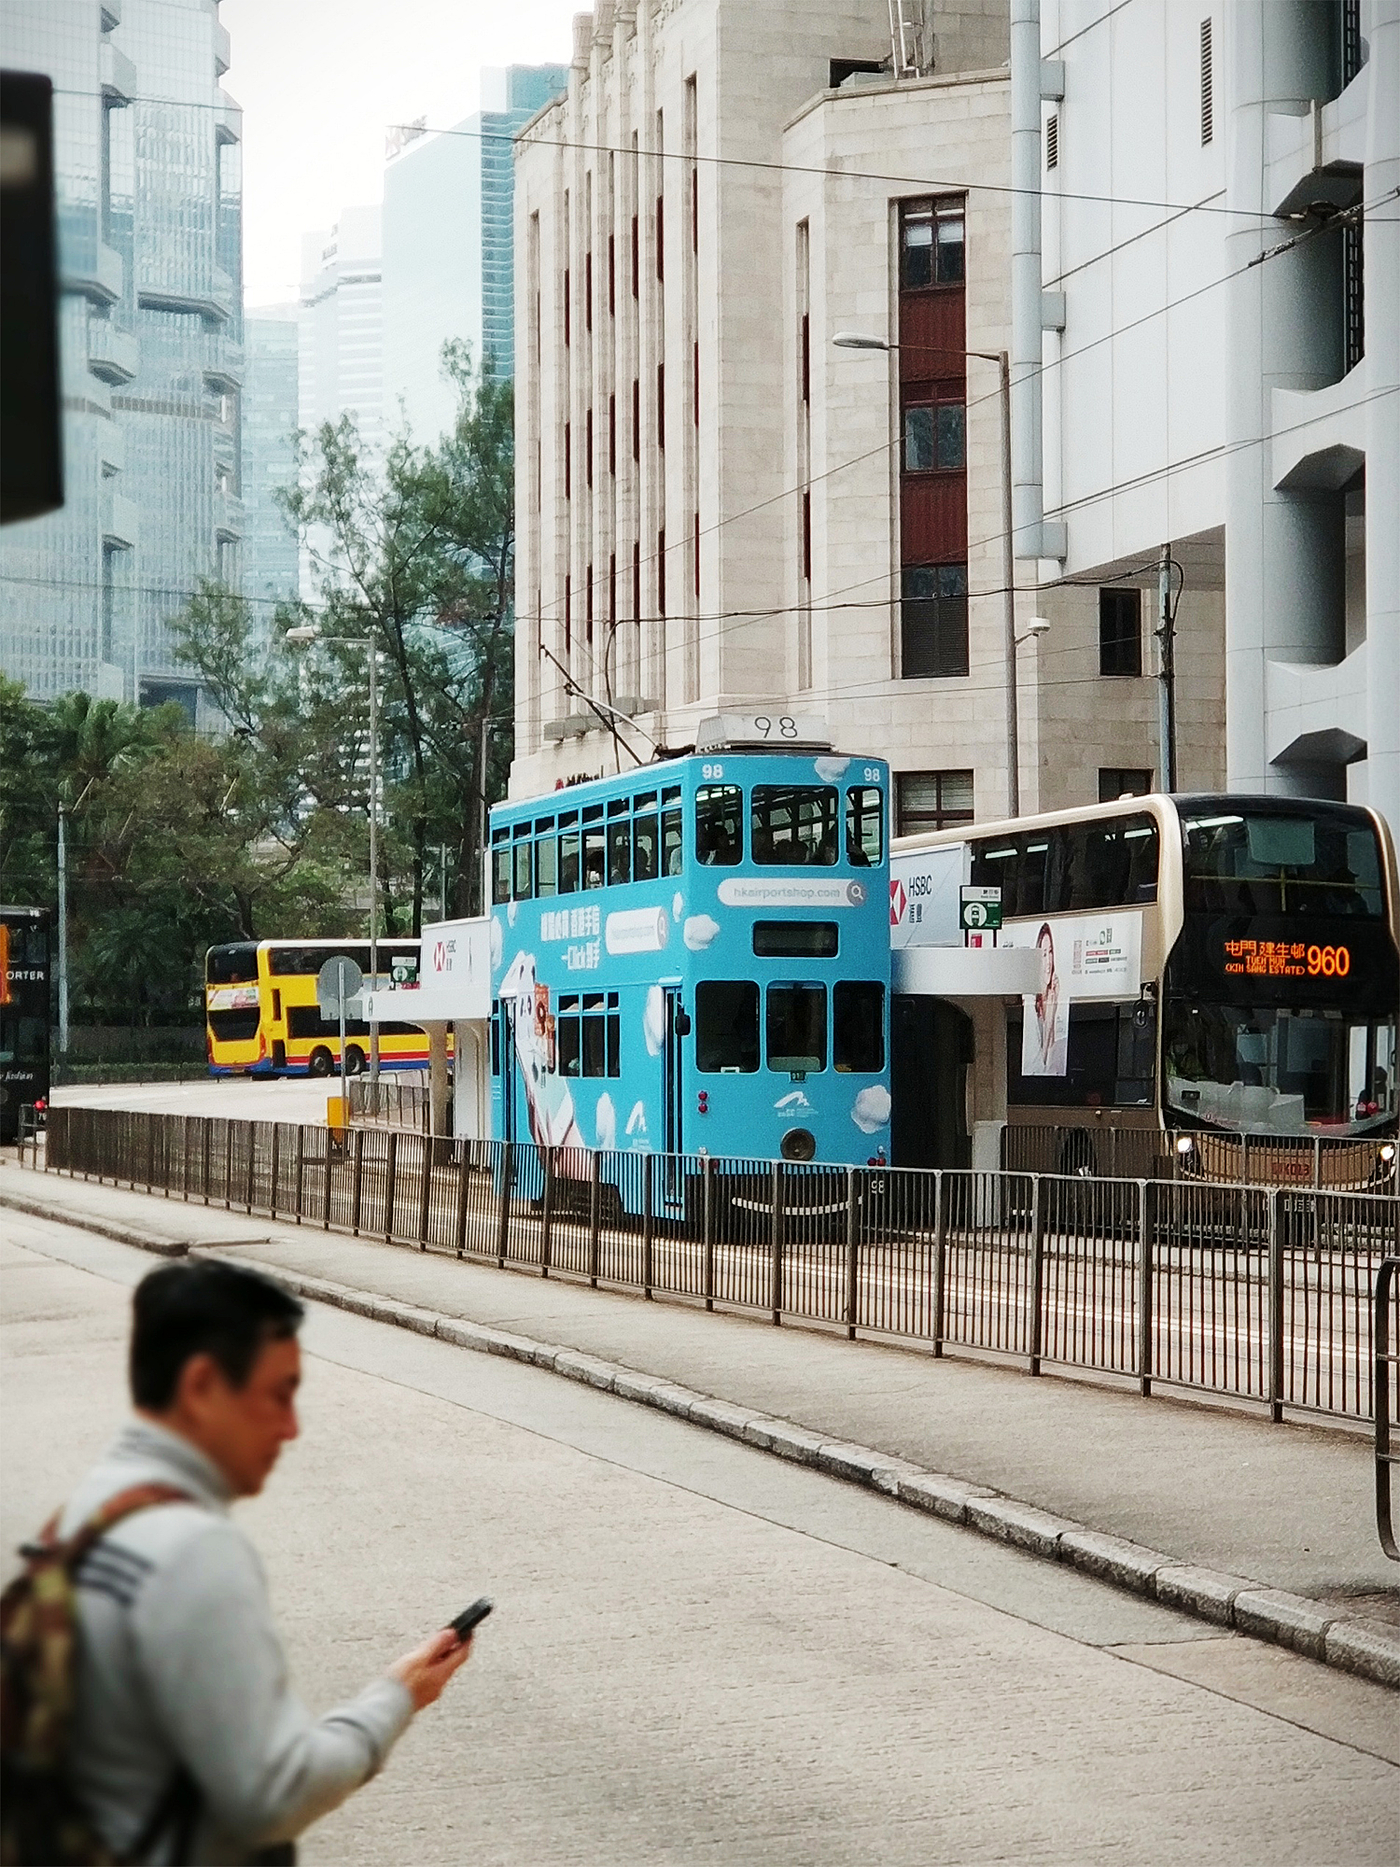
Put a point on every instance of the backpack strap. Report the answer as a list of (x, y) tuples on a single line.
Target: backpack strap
[(106, 1517)]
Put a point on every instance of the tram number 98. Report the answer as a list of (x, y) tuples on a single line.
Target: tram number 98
[(784, 727), (1329, 962)]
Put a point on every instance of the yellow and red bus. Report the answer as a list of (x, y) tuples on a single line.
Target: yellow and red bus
[(261, 1016)]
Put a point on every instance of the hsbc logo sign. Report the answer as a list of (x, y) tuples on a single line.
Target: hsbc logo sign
[(899, 901), (443, 952)]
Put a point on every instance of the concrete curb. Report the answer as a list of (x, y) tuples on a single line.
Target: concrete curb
[(1368, 1648)]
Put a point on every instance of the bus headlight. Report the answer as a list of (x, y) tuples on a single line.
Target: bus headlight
[(1388, 1152), (1184, 1144)]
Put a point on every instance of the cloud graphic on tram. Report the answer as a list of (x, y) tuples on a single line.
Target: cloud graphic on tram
[(605, 1119), (830, 769), (871, 1108), (637, 1120), (699, 931), (677, 906)]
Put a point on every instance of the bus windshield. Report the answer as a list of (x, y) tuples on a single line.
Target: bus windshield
[(1277, 860), (1281, 1069)]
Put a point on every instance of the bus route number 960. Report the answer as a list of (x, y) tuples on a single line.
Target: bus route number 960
[(1329, 962)]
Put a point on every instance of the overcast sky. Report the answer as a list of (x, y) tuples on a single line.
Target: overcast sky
[(320, 81)]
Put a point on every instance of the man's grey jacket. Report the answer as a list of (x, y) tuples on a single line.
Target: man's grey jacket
[(179, 1663)]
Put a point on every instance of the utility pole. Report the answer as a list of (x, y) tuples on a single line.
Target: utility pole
[(1166, 671), (62, 929), (1008, 578)]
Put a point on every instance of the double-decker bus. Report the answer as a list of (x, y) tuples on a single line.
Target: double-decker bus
[(1208, 966), (262, 1019), (24, 1014), (692, 958)]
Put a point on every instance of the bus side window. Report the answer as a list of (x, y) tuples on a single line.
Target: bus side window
[(568, 863), (858, 1025), (671, 847), (524, 863), (276, 1005), (546, 866), (500, 873), (865, 826), (726, 1026), (646, 862), (619, 853), (719, 836)]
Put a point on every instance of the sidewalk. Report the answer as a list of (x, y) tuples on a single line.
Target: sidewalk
[(1216, 1511)]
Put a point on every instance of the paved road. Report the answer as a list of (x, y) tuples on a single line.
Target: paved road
[(244, 1098), (703, 1656)]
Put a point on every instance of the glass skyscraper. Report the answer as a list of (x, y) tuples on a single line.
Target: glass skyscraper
[(146, 159), (270, 417)]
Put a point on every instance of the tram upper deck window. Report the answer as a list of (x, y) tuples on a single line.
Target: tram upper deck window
[(726, 1027), (646, 831), (568, 853), (546, 858), (524, 864), (500, 865), (619, 850), (672, 845), (865, 826), (719, 825), (797, 1028), (1325, 861), (595, 860), (794, 825)]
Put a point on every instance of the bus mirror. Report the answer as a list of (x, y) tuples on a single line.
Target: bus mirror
[(682, 1023)]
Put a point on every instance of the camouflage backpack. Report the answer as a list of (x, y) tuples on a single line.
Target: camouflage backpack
[(42, 1823)]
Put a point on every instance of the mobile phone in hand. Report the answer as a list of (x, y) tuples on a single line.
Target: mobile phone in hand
[(471, 1617)]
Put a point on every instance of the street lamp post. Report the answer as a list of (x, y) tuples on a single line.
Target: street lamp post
[(301, 636), (859, 340)]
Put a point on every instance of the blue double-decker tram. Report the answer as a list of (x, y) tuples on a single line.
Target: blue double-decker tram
[(693, 959)]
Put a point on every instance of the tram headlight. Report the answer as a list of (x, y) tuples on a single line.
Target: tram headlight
[(799, 1144)]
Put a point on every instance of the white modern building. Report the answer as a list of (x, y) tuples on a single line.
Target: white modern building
[(270, 420), (718, 507), (341, 334), (448, 246), (1227, 376)]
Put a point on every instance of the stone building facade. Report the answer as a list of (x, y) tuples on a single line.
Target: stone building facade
[(718, 508)]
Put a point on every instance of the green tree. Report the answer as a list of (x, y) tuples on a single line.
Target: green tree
[(417, 556)]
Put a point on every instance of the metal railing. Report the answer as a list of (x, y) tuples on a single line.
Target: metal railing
[(1387, 1299), (1091, 1150), (1256, 1293), (389, 1103)]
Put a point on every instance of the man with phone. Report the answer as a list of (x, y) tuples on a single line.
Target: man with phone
[(187, 1744)]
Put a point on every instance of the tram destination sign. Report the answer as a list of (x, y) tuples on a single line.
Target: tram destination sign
[(979, 909)]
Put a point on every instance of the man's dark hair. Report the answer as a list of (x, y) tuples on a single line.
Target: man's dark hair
[(206, 1308)]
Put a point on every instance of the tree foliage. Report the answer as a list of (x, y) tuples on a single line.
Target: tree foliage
[(179, 839)]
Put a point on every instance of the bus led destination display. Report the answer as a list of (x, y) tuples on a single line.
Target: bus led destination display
[(1285, 959)]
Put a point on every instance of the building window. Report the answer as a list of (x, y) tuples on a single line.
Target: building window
[(661, 406), (568, 460), (660, 240), (568, 613), (1353, 289), (931, 800), (935, 437), (1052, 141), (807, 535), (612, 434), (933, 616), (636, 419), (1117, 781), (931, 244), (1207, 86), (588, 446), (1120, 632), (588, 291), (636, 581), (661, 572), (566, 308), (588, 607), (612, 278)]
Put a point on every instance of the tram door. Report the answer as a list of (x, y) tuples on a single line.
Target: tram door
[(505, 1040), (931, 1050), (672, 1129)]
